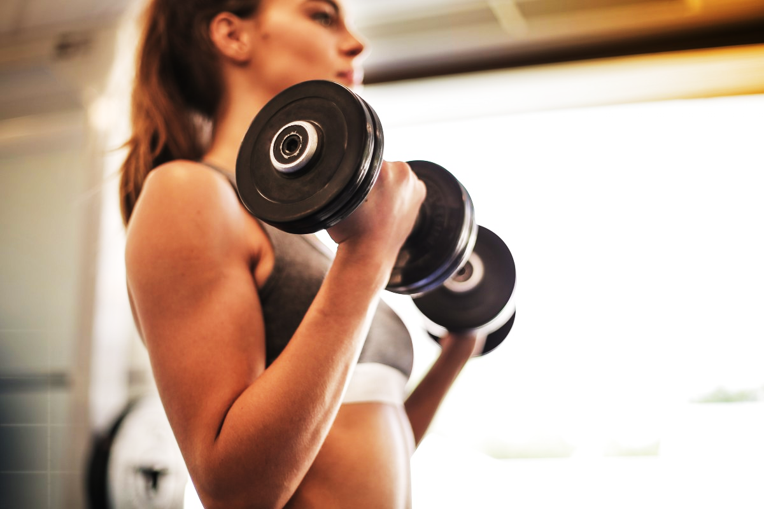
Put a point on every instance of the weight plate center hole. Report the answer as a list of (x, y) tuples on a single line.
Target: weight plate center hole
[(291, 145), (464, 273), (467, 277)]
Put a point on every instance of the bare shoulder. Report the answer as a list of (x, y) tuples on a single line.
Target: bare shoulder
[(187, 210), (188, 193)]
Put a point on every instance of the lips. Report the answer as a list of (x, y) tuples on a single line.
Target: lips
[(350, 77)]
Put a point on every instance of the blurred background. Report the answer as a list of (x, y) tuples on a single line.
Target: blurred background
[(617, 146)]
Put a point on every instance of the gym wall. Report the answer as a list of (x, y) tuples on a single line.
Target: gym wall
[(66, 358)]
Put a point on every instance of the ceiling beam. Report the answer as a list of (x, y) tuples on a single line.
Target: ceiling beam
[(731, 34)]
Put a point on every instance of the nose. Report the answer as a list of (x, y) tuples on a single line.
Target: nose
[(352, 45)]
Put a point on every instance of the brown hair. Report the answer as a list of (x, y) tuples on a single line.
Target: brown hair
[(177, 79)]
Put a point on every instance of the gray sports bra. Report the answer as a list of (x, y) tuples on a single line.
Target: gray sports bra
[(301, 263)]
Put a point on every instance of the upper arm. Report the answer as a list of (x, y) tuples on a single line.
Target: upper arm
[(189, 273)]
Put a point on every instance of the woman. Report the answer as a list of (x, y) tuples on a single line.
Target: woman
[(266, 399)]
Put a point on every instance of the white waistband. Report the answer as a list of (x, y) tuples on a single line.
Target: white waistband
[(372, 381)]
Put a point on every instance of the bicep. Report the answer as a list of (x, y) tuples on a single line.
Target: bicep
[(206, 345), (195, 298)]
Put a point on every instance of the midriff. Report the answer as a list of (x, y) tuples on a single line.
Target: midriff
[(364, 461)]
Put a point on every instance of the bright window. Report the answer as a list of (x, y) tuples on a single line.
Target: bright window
[(633, 376)]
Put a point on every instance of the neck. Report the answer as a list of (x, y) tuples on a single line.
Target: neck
[(237, 110)]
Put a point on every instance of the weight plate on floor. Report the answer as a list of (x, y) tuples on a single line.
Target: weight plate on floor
[(309, 157), (145, 468), (478, 293), (443, 235)]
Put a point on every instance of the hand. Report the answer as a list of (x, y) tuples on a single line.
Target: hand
[(387, 217), (463, 345)]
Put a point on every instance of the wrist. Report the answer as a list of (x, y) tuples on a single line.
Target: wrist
[(460, 347), (371, 263)]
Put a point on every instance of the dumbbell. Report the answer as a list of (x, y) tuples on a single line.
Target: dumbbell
[(476, 297), (310, 158)]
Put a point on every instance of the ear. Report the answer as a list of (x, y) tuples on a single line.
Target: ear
[(229, 33)]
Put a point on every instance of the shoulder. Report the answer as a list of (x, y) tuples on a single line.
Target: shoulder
[(184, 208), (190, 185)]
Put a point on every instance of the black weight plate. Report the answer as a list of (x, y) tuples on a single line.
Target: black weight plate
[(494, 339), (363, 187), (307, 202), (443, 236), (98, 463), (476, 307)]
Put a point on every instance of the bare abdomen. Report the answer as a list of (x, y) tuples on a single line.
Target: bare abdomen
[(364, 461)]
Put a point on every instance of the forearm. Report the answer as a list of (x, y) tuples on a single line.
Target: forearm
[(276, 427), (424, 401)]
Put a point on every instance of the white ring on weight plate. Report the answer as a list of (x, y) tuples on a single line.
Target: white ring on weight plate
[(299, 163), (478, 271)]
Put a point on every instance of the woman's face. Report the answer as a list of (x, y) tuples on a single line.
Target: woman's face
[(300, 40)]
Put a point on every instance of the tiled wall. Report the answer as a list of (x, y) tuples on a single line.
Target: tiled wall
[(41, 430)]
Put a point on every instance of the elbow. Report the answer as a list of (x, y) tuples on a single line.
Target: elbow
[(222, 488), (237, 501), (241, 498)]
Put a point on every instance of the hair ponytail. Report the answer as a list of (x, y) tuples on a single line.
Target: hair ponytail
[(177, 81)]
